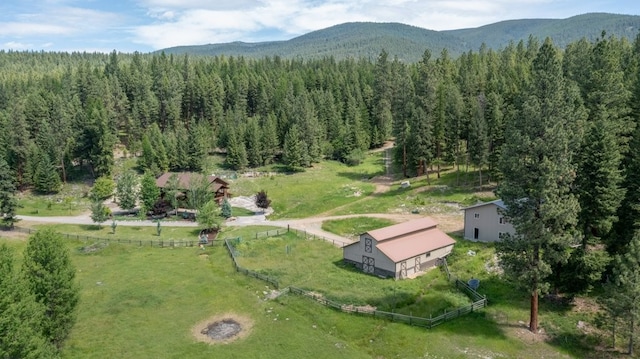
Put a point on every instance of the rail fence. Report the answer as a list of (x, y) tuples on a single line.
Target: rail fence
[(159, 243), (233, 253), (479, 301), (301, 233), (391, 316)]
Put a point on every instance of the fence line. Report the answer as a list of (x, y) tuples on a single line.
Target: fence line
[(480, 301), (308, 236), (233, 253), (472, 293), (394, 317), (160, 243)]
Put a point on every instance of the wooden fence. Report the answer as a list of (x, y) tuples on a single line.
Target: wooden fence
[(394, 317), (159, 243), (301, 233), (480, 301), (233, 253)]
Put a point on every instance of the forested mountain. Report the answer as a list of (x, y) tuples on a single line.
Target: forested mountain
[(365, 40)]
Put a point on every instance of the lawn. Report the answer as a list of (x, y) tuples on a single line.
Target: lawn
[(289, 258), (353, 227), (322, 188), (142, 302)]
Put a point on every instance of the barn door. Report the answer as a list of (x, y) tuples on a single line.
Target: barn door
[(368, 264), (403, 269), (417, 265)]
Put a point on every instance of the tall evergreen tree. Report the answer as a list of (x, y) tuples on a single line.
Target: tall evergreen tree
[(149, 191), (293, 155), (46, 178), (478, 137), (622, 294), (50, 275), (8, 201), (236, 152), (538, 169), (21, 317)]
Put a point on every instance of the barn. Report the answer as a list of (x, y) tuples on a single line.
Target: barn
[(400, 251)]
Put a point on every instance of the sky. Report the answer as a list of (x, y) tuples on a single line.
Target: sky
[(149, 25)]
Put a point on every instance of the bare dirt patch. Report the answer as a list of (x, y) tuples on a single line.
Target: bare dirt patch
[(222, 329)]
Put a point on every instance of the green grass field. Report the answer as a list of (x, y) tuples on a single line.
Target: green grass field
[(142, 302)]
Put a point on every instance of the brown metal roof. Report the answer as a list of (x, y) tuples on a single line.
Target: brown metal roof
[(402, 229), (185, 178), (415, 244)]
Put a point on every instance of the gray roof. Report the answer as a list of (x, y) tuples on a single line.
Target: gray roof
[(497, 202)]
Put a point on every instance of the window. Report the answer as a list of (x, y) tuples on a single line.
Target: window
[(500, 234), (502, 220), (476, 215), (367, 245), (428, 254)]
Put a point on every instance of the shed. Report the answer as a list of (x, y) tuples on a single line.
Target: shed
[(400, 251)]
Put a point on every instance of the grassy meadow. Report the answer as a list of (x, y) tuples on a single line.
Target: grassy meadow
[(143, 302)]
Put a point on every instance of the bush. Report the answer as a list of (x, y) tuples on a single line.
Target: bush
[(102, 189)]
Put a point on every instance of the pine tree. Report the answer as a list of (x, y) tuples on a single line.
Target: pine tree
[(227, 210), (8, 201), (622, 299), (538, 169), (46, 178), (21, 317), (252, 140), (236, 152), (269, 140), (50, 276), (478, 138), (293, 155)]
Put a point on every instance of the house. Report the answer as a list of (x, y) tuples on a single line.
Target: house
[(400, 251), (485, 222), (186, 180)]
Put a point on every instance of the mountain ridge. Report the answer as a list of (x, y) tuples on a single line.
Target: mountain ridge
[(408, 42)]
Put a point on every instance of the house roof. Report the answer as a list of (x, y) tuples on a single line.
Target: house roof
[(185, 178), (497, 202), (402, 229)]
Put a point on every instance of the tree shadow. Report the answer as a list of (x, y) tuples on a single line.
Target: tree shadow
[(91, 227)]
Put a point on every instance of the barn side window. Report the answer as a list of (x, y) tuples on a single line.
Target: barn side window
[(476, 215)]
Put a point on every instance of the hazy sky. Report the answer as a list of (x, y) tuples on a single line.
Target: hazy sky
[(147, 25)]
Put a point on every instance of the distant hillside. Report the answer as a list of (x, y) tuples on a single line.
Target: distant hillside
[(366, 40)]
